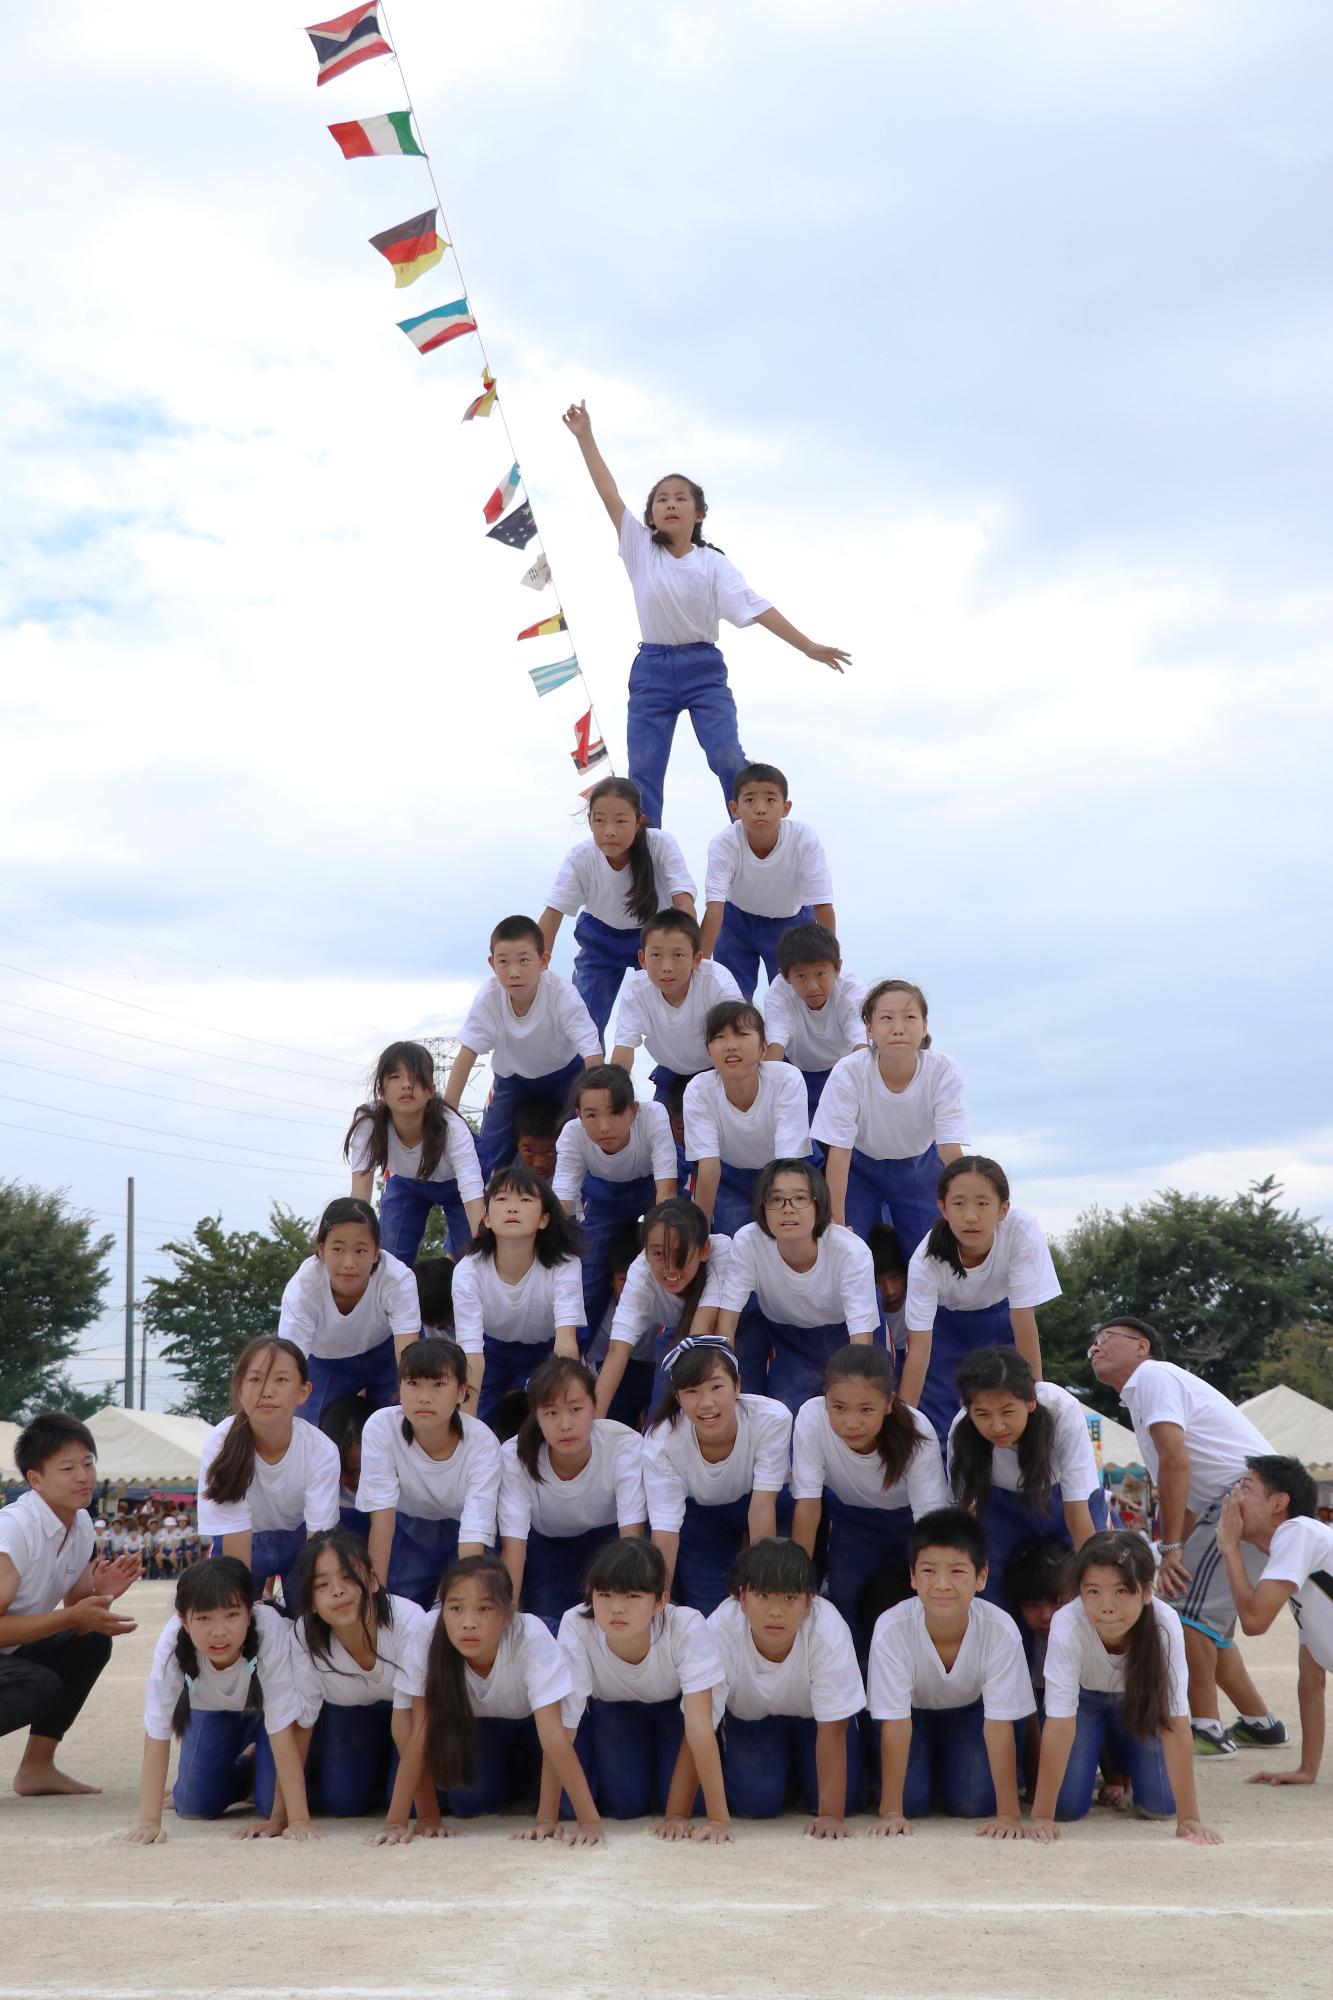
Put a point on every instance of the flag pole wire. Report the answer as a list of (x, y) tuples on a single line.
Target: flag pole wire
[(594, 728)]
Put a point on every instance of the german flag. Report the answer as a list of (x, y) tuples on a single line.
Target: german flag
[(413, 247)]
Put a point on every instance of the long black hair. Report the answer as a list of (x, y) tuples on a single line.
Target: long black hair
[(684, 1228), (1147, 1705), (215, 1584), (558, 1240), (232, 1471), (375, 1608), (941, 1242), (561, 1373), (417, 1061), (897, 1439), (434, 1359), (641, 895), (995, 1368), (451, 1727)]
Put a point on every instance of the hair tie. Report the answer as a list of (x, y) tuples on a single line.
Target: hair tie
[(252, 1666), (189, 1682), (694, 1343)]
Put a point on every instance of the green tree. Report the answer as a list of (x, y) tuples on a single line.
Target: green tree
[(1217, 1278), (1302, 1357), (226, 1289), (52, 1279), (61, 1393)]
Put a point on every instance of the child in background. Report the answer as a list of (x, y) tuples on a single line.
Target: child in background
[(891, 1285), (266, 1481), (430, 1476), (1020, 1459), (672, 1290), (948, 1683), (351, 1308), (1036, 1584), (682, 587), (615, 1159), (812, 1010), (714, 1462), (792, 1688), (518, 1293), (619, 880), (647, 1684), (343, 1421), (569, 1482), (890, 1116), (536, 1130), (874, 1463), (628, 1399), (536, 1029), (666, 1004), (976, 1281), (1116, 1676), (435, 1294), (425, 1151), (765, 873)]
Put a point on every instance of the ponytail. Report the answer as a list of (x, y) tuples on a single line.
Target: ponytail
[(641, 896), (451, 1727), (897, 1438), (215, 1584), (233, 1470), (1002, 1368), (1147, 1706)]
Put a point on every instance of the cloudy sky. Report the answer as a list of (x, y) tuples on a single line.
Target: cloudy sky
[(998, 335)]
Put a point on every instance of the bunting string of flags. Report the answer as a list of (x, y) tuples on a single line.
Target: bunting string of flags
[(413, 248)]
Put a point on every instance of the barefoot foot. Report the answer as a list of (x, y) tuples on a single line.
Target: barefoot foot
[(45, 1781)]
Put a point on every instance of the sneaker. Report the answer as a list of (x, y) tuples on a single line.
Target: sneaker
[(1258, 1735), (1207, 1744)]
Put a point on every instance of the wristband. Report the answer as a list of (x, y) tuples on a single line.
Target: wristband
[(1169, 1548)]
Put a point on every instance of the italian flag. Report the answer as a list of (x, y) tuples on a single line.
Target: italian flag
[(365, 138)]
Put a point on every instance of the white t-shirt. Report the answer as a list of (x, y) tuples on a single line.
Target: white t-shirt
[(1076, 1658), (644, 1304), (530, 1671), (609, 1488), (651, 1152), (682, 1659), (858, 1108), (674, 1035), (342, 1683), (309, 1313), (302, 1488), (49, 1557), (768, 885), (674, 1468), (556, 1028), (1300, 1550), (1018, 1268), (1218, 1438), (815, 1038), (224, 1688), (820, 1459), (819, 1677), (1073, 1462), (547, 1296), (464, 1487), (906, 1672), (682, 599), (776, 1126), (839, 1288), (587, 881), (458, 1162)]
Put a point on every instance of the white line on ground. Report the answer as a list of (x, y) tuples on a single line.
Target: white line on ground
[(421, 1906)]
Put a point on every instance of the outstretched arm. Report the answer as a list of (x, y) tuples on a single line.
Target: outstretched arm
[(773, 621), (577, 421)]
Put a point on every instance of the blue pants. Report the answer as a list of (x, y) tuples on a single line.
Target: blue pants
[(555, 1567), (605, 954), (733, 1208), (275, 1552), (509, 1363), (956, 1335), (506, 1765), (405, 1210), (948, 1769), (628, 1750), (495, 1141), (745, 942), (1101, 1726), (214, 1771), (351, 1756), (355, 1522), (903, 1192), (607, 1207), (663, 682), (761, 1758), (815, 1079), (861, 1541), (798, 1354), (1008, 1522), (375, 1372), (422, 1551), (710, 1543)]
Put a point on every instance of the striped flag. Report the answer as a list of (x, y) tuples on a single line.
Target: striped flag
[(433, 329), (538, 576), (352, 38), (482, 405), (502, 496), (412, 247), (545, 627), (369, 138), (547, 679), (588, 749)]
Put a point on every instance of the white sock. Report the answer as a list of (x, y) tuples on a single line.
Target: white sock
[(1207, 1722), (1258, 1721)]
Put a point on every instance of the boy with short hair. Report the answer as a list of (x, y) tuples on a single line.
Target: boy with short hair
[(948, 1683), (435, 1294), (765, 872), (812, 1010), (535, 1028), (56, 1621), (537, 1126), (664, 1005), (890, 1285)]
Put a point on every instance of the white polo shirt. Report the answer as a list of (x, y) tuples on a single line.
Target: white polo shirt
[(815, 1038), (458, 1162), (1073, 1461), (858, 1108), (1018, 1269), (587, 881), (1218, 1438), (310, 1315), (674, 1468), (906, 1672), (301, 1489), (682, 1658), (1302, 1550), (674, 1036), (839, 1288), (820, 1459), (530, 1671), (681, 599), (778, 884), (644, 1304), (464, 1487), (341, 1683), (776, 1126), (49, 1557), (545, 1297), (818, 1678), (556, 1028), (651, 1153), (609, 1488), (225, 1689)]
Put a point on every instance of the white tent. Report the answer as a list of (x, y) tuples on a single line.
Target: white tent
[(144, 1447), (1118, 1445), (1295, 1425), (8, 1470)]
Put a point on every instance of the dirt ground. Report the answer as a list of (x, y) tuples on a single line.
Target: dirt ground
[(1116, 1908)]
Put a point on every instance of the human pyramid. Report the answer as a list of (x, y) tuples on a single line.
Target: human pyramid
[(713, 1473)]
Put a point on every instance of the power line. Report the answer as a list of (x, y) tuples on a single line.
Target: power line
[(156, 1131), (157, 1152), (182, 1048), (165, 1097), (154, 1069)]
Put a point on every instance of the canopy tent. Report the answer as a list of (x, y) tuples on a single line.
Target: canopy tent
[(1118, 1445), (8, 1470), (146, 1446), (1295, 1425)]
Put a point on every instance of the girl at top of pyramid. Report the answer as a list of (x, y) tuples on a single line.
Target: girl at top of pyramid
[(683, 587)]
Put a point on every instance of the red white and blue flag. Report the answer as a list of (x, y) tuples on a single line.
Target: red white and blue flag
[(432, 329), (502, 495), (350, 39), (588, 749)]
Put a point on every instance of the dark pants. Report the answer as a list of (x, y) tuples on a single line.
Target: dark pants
[(44, 1684), (760, 1759)]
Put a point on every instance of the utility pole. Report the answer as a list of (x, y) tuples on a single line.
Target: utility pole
[(129, 1293)]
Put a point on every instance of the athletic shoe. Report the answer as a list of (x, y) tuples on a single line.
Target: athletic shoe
[(1206, 1744), (1258, 1735)]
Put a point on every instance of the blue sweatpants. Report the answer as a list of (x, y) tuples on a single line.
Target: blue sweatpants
[(1008, 1522), (495, 1141), (745, 942), (554, 1569), (605, 954), (628, 1750), (956, 1335), (348, 1765), (664, 683), (422, 1551), (506, 1767), (1101, 1725), (903, 1192), (214, 1771), (405, 1210), (797, 1357), (509, 1364), (275, 1552), (607, 1207), (710, 1544), (760, 1759), (374, 1373), (862, 1541), (948, 1768)]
